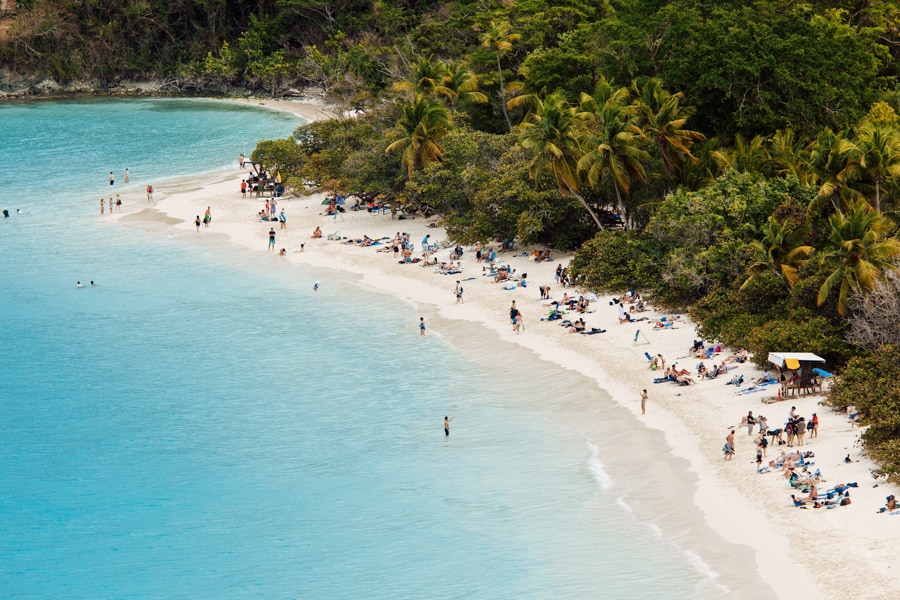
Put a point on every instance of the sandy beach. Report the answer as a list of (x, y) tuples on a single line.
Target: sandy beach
[(841, 553)]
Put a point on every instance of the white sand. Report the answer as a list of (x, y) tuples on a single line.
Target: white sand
[(841, 553)]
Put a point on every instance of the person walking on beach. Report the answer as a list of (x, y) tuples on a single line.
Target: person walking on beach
[(127, 175), (459, 293), (813, 426), (112, 178), (241, 160), (422, 326), (513, 314), (207, 217), (272, 239), (282, 218), (149, 193), (197, 223), (118, 203), (447, 425), (243, 188), (728, 449), (644, 402)]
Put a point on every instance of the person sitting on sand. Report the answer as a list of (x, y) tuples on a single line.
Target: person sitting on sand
[(317, 233), (702, 371), (502, 275), (657, 362), (282, 252)]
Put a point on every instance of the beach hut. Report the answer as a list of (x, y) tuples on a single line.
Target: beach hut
[(798, 372)]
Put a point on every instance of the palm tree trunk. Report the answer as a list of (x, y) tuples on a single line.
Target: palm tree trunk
[(503, 93), (587, 207), (877, 196)]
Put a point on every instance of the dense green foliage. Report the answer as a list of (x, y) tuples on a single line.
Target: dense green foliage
[(870, 383), (738, 159)]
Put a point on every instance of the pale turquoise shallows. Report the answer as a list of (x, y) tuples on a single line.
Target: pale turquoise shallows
[(203, 425)]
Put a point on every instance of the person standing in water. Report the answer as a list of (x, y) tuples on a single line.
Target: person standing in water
[(422, 326), (127, 175), (112, 178), (447, 425), (197, 223)]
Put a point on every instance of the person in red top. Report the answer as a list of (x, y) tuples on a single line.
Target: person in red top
[(244, 188), (813, 426)]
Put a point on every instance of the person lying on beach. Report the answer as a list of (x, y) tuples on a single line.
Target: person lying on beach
[(739, 357), (317, 233), (637, 307), (577, 327), (663, 322)]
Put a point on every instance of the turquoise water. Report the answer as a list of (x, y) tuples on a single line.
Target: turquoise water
[(204, 424)]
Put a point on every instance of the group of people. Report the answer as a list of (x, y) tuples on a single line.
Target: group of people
[(113, 205)]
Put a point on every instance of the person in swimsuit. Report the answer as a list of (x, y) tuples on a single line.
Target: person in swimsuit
[(197, 223), (127, 175), (112, 178), (447, 425), (421, 325), (272, 239), (207, 217)]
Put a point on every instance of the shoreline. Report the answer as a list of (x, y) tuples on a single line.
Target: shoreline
[(743, 508)]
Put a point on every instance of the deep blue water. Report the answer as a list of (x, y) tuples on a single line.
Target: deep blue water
[(203, 425)]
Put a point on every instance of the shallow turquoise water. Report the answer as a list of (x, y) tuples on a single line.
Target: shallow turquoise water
[(203, 424)]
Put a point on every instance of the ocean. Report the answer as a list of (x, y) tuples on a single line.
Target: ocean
[(203, 424)]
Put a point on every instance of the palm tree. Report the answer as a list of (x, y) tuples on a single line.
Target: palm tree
[(551, 131), (461, 84), (828, 158), (778, 252), (789, 157), (663, 119), (427, 77), (744, 157), (875, 156), (612, 141), (858, 253), (500, 40), (425, 122)]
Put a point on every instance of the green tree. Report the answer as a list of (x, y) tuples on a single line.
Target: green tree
[(875, 156), (829, 160), (744, 156), (500, 41), (858, 253), (551, 131), (611, 141), (423, 124), (778, 252), (664, 121)]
